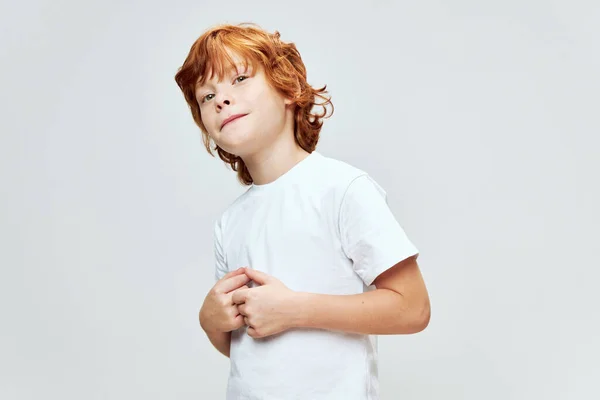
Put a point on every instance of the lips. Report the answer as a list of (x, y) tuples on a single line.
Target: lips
[(232, 118)]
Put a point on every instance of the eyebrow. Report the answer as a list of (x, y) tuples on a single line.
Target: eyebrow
[(233, 68)]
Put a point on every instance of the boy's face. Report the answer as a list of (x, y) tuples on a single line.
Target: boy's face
[(243, 94)]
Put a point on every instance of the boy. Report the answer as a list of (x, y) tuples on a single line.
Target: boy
[(310, 262)]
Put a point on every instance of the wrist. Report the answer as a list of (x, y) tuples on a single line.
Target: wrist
[(298, 309)]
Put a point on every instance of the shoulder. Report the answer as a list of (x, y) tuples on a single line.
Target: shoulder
[(230, 209), (336, 164), (346, 182), (336, 173)]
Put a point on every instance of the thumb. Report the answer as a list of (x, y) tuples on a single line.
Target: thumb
[(258, 276)]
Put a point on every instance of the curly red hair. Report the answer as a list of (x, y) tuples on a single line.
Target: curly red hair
[(283, 68)]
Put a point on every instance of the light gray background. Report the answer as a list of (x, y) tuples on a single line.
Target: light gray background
[(480, 119)]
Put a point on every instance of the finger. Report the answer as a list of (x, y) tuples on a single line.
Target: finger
[(232, 283), (233, 311), (238, 322), (233, 273), (242, 310), (230, 294), (258, 276), (252, 332), (240, 296), (240, 288)]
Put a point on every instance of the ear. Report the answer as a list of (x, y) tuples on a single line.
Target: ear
[(288, 102), (297, 91)]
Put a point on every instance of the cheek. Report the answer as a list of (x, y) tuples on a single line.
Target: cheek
[(270, 102), (207, 120), (254, 99)]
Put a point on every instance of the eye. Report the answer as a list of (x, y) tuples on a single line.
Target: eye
[(206, 98), (241, 78)]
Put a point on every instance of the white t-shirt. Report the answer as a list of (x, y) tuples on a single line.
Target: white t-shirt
[(322, 227)]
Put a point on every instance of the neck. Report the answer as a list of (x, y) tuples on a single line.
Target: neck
[(274, 161)]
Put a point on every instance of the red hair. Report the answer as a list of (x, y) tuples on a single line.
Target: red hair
[(283, 68)]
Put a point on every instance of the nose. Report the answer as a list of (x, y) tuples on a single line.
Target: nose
[(223, 100)]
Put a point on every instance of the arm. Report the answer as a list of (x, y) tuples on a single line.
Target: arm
[(399, 305), (221, 341), (218, 315), (373, 239)]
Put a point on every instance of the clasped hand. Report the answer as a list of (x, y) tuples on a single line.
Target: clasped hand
[(266, 309)]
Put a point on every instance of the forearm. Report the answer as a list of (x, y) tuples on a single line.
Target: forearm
[(377, 312), (220, 340)]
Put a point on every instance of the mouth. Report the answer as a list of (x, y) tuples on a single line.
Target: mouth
[(232, 118)]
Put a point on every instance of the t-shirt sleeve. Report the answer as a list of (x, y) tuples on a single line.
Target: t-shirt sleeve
[(219, 253), (370, 234)]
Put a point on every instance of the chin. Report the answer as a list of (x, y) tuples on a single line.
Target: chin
[(240, 148)]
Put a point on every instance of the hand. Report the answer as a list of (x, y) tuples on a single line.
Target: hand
[(218, 312), (267, 309)]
